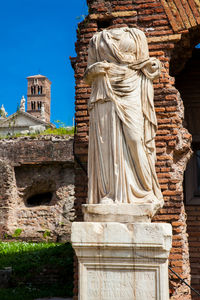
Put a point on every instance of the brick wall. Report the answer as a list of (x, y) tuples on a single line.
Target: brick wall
[(190, 91), (193, 222), (172, 29)]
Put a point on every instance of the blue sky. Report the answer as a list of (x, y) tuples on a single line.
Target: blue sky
[(38, 37)]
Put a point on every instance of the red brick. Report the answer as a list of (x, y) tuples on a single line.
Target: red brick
[(168, 114)]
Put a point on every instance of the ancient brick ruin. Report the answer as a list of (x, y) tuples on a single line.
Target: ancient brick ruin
[(36, 188), (172, 29)]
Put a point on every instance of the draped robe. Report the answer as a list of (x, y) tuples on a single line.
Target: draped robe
[(121, 158)]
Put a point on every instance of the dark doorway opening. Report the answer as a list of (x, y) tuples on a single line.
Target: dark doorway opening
[(40, 199), (187, 83)]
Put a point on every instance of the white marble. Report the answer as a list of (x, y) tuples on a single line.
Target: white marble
[(122, 261), (121, 157), (3, 112), (123, 213), (37, 128), (22, 104)]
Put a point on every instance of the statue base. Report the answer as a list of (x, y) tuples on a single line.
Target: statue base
[(122, 213), (122, 261)]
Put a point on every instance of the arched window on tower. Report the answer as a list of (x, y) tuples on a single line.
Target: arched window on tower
[(33, 90), (39, 90), (39, 104), (33, 105)]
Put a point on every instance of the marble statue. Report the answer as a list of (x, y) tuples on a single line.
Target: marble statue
[(124, 193), (22, 104), (3, 112), (121, 159)]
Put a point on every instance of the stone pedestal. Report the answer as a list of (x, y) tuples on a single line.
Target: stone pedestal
[(119, 212), (122, 261)]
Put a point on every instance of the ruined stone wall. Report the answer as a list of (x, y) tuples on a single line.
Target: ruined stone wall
[(172, 29), (36, 150), (37, 188)]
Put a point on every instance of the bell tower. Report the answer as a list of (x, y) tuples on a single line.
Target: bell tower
[(38, 96)]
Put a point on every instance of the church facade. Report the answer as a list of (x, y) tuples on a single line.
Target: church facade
[(37, 116)]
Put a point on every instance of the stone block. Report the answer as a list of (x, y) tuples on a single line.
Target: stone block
[(122, 261), (119, 212)]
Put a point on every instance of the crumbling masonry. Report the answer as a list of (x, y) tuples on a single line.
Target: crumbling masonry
[(36, 188)]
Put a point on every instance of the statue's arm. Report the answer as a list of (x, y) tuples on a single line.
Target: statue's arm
[(152, 68), (94, 67)]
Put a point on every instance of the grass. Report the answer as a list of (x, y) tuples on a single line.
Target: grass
[(61, 131), (29, 261)]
